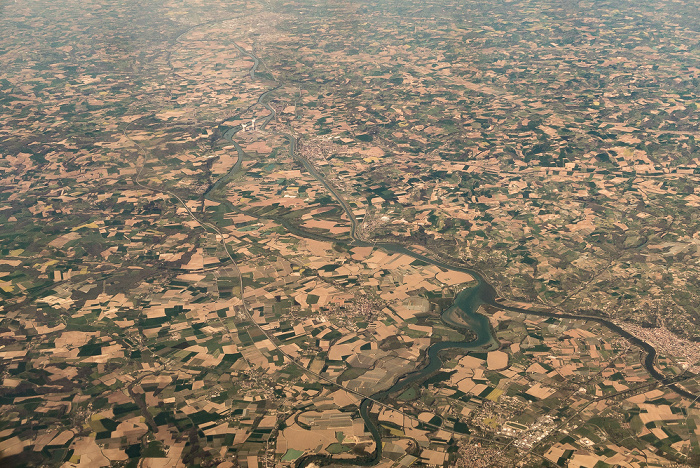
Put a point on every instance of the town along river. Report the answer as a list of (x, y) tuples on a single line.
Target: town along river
[(462, 314)]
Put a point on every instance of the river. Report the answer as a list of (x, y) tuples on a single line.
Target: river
[(463, 311)]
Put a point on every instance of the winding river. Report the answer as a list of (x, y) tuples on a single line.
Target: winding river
[(464, 310)]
